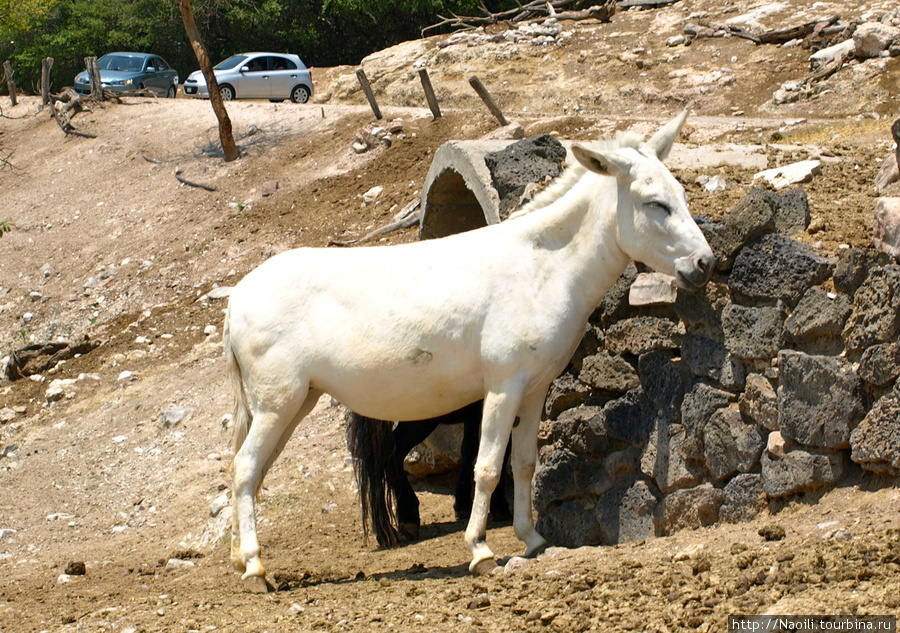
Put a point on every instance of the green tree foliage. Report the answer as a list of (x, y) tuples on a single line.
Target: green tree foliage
[(322, 32)]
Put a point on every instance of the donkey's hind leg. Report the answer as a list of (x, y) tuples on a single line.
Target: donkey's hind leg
[(524, 459), (268, 434)]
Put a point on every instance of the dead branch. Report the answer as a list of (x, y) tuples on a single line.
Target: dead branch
[(67, 127), (795, 32), (184, 181), (407, 217), (4, 161), (828, 70), (532, 10)]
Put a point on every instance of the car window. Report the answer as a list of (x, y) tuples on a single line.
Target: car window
[(160, 63), (257, 65), (282, 63), (121, 62), (232, 62)]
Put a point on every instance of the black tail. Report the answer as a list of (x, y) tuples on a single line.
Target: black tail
[(372, 448)]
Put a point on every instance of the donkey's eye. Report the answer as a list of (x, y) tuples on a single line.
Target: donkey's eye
[(659, 206)]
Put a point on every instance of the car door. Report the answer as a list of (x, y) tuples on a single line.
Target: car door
[(254, 82), (283, 77), (155, 76)]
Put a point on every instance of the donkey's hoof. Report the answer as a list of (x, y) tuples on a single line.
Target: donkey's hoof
[(483, 567), (407, 532), (537, 551), (257, 584)]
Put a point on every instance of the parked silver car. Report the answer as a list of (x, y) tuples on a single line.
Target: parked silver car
[(273, 76), (122, 72)]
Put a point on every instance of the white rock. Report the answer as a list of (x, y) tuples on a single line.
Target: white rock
[(372, 194), (873, 39), (7, 533), (716, 184), (675, 40), (126, 375), (142, 340), (209, 330), (218, 504), (652, 289), (827, 55), (63, 578), (7, 415), (775, 444), (178, 564), (781, 177), (221, 292), (886, 228), (59, 389)]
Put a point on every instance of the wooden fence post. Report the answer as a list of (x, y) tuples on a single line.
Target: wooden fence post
[(10, 82), (46, 65), (367, 88), (429, 93), (475, 82), (93, 69)]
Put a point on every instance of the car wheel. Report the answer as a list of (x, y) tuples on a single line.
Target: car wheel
[(227, 92), (170, 94), (300, 94)]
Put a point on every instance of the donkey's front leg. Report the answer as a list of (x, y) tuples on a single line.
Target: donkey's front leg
[(524, 460), (497, 420)]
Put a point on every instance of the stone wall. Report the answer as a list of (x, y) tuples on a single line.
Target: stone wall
[(684, 409)]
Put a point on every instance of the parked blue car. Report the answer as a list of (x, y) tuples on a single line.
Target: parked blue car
[(121, 72)]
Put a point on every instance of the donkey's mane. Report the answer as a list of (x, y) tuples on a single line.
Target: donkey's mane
[(566, 180)]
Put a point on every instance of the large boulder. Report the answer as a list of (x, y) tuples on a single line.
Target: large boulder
[(886, 227), (563, 476), (876, 310), (759, 402), (608, 373), (800, 471), (817, 322), (820, 399), (666, 458), (876, 441), (709, 358), (642, 334), (775, 267), (572, 524), (692, 508), (531, 160), (745, 497), (873, 39), (853, 267), (665, 379), (880, 364), (730, 445), (753, 333)]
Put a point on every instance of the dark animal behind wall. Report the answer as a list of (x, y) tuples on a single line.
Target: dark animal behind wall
[(387, 498)]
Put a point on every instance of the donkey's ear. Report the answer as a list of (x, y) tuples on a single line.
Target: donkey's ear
[(661, 142), (605, 163)]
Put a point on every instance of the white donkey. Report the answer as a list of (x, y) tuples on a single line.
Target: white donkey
[(414, 331)]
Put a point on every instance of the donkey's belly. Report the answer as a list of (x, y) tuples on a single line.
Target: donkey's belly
[(419, 389)]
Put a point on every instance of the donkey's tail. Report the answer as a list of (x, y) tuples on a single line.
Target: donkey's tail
[(372, 447), (241, 417)]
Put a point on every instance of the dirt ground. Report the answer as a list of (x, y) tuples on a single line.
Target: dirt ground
[(121, 473)]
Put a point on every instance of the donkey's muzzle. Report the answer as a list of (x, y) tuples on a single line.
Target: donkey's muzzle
[(694, 271)]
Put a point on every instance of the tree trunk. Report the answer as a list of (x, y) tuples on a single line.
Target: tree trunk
[(93, 69), (46, 65), (226, 134), (10, 82)]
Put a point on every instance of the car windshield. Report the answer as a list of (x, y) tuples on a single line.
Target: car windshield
[(121, 62), (231, 62)]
